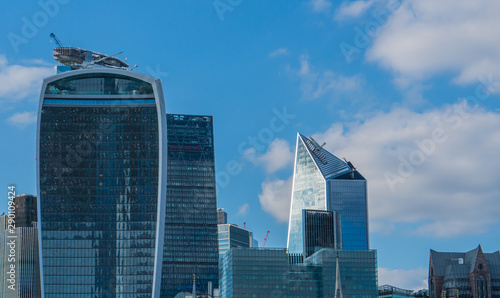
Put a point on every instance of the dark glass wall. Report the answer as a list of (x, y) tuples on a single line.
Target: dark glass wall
[(321, 230), (191, 210), (98, 169), (25, 211)]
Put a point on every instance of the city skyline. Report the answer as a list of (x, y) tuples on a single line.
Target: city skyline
[(383, 83)]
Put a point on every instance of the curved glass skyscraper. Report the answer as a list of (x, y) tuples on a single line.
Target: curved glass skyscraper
[(101, 171), (321, 181)]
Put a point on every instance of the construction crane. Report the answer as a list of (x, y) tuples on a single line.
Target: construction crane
[(56, 40), (79, 58), (265, 239)]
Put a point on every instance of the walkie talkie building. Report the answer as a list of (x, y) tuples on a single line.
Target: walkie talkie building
[(101, 172)]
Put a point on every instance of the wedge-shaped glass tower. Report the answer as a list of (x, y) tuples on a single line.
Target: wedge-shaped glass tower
[(321, 181)]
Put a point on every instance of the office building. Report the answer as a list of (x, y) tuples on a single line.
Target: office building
[(230, 235), (321, 181), (469, 274), (321, 230), (221, 216), (25, 210), (252, 272), (25, 256), (191, 245), (101, 173)]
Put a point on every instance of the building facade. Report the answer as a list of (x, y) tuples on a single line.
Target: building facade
[(322, 229), (321, 181), (101, 173), (25, 257), (230, 235), (221, 216), (250, 272), (191, 245), (471, 274)]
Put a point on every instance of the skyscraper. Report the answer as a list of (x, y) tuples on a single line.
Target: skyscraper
[(101, 173), (23, 254), (321, 181), (191, 216)]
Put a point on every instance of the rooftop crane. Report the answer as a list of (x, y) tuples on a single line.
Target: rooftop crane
[(265, 239), (56, 40)]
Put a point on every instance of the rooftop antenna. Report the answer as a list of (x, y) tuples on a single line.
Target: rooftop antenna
[(350, 166)]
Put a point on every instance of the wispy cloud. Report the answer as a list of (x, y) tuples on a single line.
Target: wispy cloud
[(278, 156), (315, 84), (279, 52), (22, 120), (243, 210), (352, 9), (426, 38), (19, 81), (276, 197), (320, 5)]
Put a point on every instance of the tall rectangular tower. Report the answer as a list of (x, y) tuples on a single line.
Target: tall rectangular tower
[(191, 245), (101, 173), (321, 181)]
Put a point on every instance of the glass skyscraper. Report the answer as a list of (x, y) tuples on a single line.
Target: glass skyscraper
[(249, 272), (321, 181), (101, 173), (191, 245)]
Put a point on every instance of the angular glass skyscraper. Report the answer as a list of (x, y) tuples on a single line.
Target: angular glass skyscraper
[(101, 172), (191, 245), (321, 181)]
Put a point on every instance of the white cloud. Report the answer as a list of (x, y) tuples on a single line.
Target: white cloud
[(320, 5), (430, 37), (445, 187), (315, 84), (275, 198), (243, 210), (353, 9), (18, 81), (278, 156), (22, 120), (415, 279), (279, 52)]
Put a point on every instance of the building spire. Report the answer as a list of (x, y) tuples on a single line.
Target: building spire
[(338, 284), (194, 286)]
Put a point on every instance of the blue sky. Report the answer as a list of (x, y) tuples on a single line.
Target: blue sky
[(406, 90)]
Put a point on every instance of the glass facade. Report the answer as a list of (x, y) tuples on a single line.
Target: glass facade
[(324, 182), (321, 230), (99, 84), (249, 272), (358, 271), (348, 197), (233, 236), (308, 193), (100, 174), (191, 210)]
